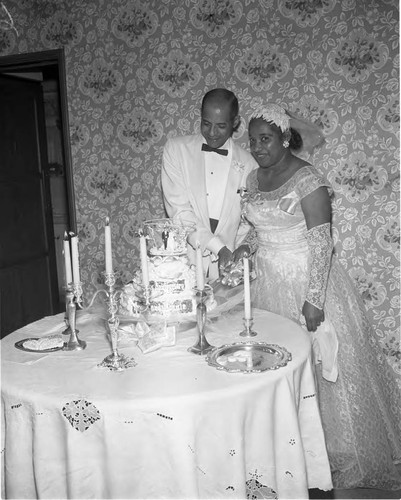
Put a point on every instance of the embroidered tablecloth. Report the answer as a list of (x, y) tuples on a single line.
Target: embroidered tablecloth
[(170, 427)]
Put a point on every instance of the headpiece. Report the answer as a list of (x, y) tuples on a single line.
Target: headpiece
[(312, 135)]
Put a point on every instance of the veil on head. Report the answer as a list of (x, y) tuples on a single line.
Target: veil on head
[(311, 134)]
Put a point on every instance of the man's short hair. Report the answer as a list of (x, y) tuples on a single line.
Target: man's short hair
[(222, 95)]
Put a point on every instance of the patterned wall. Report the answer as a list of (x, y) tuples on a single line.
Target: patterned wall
[(136, 72)]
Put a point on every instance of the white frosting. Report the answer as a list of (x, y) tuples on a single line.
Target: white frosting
[(172, 282)]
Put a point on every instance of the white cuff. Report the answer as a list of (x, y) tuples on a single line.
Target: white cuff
[(215, 245)]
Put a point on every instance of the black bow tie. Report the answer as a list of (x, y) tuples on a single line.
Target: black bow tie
[(206, 147)]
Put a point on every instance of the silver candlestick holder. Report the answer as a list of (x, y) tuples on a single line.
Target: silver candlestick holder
[(143, 296), (74, 343), (247, 331), (141, 303), (78, 293), (146, 296), (114, 361), (76, 289), (202, 346), (67, 288)]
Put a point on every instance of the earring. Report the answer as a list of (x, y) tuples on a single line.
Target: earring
[(286, 143)]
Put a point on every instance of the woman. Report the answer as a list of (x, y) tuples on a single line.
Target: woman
[(288, 202)]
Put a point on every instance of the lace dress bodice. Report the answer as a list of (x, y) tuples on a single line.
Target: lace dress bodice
[(277, 215)]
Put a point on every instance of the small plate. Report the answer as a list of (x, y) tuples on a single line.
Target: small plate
[(19, 345), (248, 357)]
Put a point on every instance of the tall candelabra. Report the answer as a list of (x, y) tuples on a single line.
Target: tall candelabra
[(73, 298), (114, 361), (202, 346)]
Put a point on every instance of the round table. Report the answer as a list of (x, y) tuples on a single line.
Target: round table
[(170, 427)]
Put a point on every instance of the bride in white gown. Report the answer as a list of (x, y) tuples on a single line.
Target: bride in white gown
[(288, 203)]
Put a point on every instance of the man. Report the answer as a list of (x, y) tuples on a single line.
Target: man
[(201, 180)]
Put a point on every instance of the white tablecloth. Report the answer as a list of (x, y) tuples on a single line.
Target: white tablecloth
[(170, 427)]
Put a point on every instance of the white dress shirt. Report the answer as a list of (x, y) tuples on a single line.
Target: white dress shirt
[(216, 175)]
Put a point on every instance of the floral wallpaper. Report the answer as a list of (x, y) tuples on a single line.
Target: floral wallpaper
[(136, 73)]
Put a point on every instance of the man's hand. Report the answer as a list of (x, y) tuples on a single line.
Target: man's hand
[(240, 252), (225, 256), (313, 316)]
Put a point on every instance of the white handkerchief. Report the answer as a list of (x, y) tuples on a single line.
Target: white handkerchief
[(158, 336), (325, 349), (127, 333)]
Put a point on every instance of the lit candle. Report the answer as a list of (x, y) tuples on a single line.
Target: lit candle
[(75, 258), (144, 261), (107, 247), (67, 259), (200, 278), (247, 292)]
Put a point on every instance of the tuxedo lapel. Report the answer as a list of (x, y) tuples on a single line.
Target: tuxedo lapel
[(196, 173)]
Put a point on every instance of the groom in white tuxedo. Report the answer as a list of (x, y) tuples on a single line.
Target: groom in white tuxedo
[(201, 179)]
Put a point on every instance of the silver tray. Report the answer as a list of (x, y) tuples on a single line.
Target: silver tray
[(19, 345), (248, 357)]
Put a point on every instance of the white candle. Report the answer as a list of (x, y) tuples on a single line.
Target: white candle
[(144, 261), (200, 278), (107, 247), (67, 259), (247, 291), (75, 258)]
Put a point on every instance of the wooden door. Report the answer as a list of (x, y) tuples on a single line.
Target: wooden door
[(28, 274)]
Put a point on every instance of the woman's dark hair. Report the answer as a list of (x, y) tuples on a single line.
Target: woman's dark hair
[(296, 141), (293, 136)]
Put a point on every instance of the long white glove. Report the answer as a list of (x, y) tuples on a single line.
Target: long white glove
[(320, 246), (251, 240)]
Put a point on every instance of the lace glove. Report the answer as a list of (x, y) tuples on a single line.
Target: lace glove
[(251, 240), (320, 246)]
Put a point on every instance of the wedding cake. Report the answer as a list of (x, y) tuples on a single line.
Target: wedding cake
[(172, 280)]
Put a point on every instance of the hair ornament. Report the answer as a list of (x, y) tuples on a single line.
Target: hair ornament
[(273, 113), (311, 133)]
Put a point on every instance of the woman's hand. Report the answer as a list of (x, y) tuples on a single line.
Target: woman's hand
[(225, 257), (240, 252), (313, 316)]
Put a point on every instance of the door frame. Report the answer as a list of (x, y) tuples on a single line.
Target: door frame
[(28, 264), (35, 61)]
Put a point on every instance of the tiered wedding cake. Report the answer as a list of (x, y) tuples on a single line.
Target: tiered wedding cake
[(172, 279)]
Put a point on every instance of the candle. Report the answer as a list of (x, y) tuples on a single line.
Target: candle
[(107, 247), (75, 258), (144, 261), (200, 278), (247, 294), (67, 259)]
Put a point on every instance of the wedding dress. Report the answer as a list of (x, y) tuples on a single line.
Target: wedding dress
[(360, 411)]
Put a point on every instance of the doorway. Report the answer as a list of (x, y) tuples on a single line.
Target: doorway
[(44, 71)]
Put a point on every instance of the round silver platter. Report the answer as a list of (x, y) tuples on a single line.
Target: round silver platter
[(248, 357)]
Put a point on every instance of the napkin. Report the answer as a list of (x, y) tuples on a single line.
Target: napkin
[(325, 349), (127, 333), (155, 336)]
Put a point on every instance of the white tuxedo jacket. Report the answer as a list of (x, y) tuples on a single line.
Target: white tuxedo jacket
[(184, 194)]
